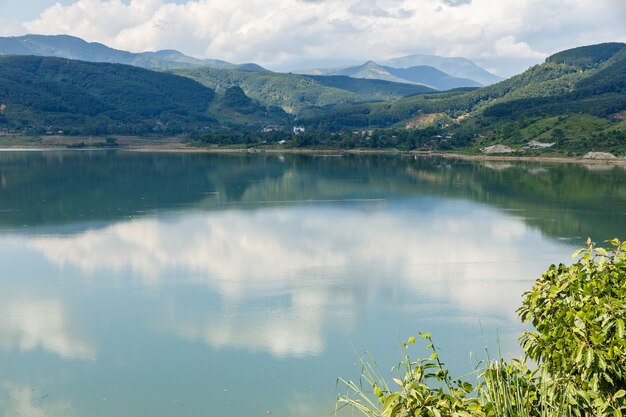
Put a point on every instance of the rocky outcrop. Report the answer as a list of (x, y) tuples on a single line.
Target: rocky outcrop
[(497, 149), (599, 155)]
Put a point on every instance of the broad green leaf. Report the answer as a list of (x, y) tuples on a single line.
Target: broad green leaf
[(601, 251), (389, 403), (619, 325)]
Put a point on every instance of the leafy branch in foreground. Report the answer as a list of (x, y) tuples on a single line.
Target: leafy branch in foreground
[(578, 346), (578, 312)]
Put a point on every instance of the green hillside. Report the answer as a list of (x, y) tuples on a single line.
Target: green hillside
[(587, 81), (295, 93), (40, 94), (233, 108)]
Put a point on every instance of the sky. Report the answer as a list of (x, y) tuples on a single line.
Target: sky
[(503, 36)]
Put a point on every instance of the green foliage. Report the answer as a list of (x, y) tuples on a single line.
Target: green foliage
[(415, 397), (514, 390), (424, 388), (578, 312), (579, 346)]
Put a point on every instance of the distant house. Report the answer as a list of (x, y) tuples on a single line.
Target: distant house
[(282, 142), (298, 129)]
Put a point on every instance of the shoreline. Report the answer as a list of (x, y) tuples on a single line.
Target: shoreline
[(173, 145)]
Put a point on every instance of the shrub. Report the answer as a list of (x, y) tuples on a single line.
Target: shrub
[(578, 346), (578, 313)]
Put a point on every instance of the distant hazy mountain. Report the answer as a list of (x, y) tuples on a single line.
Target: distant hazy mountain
[(421, 75), (65, 46), (456, 67)]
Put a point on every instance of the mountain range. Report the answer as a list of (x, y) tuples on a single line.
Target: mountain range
[(421, 75), (432, 71), (65, 46), (455, 67), (429, 70), (576, 97)]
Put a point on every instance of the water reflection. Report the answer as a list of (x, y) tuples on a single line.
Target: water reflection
[(151, 284), (29, 323), (294, 331), (19, 400), (317, 262)]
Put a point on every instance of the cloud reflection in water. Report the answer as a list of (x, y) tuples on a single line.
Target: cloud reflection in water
[(475, 258), (31, 323)]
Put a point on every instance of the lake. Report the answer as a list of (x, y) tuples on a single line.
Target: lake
[(187, 284)]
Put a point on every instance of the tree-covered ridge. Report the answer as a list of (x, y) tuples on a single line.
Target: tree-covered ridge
[(61, 94), (234, 109), (42, 94), (295, 93), (585, 57)]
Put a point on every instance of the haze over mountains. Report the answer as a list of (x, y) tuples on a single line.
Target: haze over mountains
[(65, 46), (431, 71), (422, 75), (434, 71)]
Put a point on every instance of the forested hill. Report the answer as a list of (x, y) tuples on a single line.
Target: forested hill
[(296, 93), (39, 94), (588, 80)]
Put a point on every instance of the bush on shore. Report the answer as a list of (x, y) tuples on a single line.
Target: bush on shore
[(578, 348)]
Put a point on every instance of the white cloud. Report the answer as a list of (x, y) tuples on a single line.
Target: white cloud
[(508, 47), (282, 32)]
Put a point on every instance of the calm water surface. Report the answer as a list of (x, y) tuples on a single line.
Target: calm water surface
[(136, 284)]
